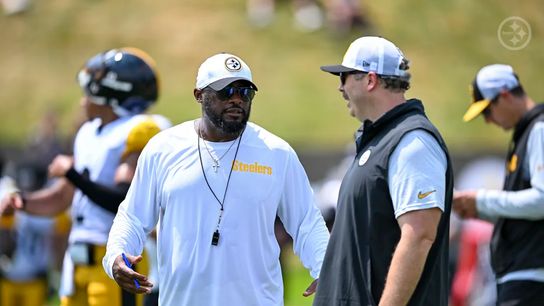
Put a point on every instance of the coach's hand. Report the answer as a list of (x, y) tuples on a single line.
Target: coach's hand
[(125, 276), (311, 289), (464, 204)]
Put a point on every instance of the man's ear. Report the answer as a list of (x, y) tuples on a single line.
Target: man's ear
[(198, 95), (372, 81)]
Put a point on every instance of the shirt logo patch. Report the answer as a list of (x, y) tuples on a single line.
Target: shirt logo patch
[(364, 158), (423, 195), (252, 168)]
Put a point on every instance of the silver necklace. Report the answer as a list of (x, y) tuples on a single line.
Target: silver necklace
[(215, 160), (216, 235)]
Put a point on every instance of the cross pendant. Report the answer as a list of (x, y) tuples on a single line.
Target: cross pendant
[(215, 166)]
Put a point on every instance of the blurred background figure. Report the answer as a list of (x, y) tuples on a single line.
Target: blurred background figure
[(24, 275), (308, 15), (473, 281), (12, 7), (517, 252), (340, 16), (118, 86), (344, 15), (27, 266), (7, 185)]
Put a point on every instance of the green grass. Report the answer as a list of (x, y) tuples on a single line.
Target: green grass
[(296, 279), (54, 301), (447, 42)]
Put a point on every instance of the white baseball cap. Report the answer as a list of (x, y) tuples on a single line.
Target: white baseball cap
[(489, 83), (372, 53), (222, 69)]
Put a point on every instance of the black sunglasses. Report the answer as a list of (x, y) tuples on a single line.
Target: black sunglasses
[(245, 93), (344, 75), (487, 111)]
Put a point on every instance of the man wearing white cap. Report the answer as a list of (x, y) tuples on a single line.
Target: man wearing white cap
[(389, 243), (517, 249), (215, 185)]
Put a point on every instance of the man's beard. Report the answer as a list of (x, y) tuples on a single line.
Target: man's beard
[(227, 127)]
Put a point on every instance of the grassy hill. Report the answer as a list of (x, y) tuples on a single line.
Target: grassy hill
[(446, 41)]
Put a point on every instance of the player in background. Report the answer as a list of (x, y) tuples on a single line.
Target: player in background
[(119, 85)]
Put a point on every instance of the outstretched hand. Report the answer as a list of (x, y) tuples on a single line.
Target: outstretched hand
[(60, 165), (125, 276), (311, 289)]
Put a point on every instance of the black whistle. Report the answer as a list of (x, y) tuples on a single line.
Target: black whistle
[(215, 238)]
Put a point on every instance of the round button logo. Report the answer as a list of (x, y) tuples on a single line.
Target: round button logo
[(364, 158), (233, 64), (514, 33)]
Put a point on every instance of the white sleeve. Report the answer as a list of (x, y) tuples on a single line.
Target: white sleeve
[(524, 204), (301, 217), (137, 215), (417, 173)]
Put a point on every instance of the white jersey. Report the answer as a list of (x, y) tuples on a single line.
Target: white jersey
[(243, 269), (97, 153)]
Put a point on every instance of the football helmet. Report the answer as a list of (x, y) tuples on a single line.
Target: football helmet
[(126, 79)]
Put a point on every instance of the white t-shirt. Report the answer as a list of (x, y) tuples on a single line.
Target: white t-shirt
[(243, 269), (417, 169)]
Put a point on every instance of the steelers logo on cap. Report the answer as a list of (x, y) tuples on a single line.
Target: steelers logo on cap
[(233, 64)]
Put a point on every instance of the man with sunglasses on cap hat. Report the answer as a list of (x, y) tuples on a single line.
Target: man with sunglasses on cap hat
[(118, 86), (517, 249), (215, 186), (389, 242)]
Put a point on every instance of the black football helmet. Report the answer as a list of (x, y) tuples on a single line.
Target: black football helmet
[(125, 79)]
